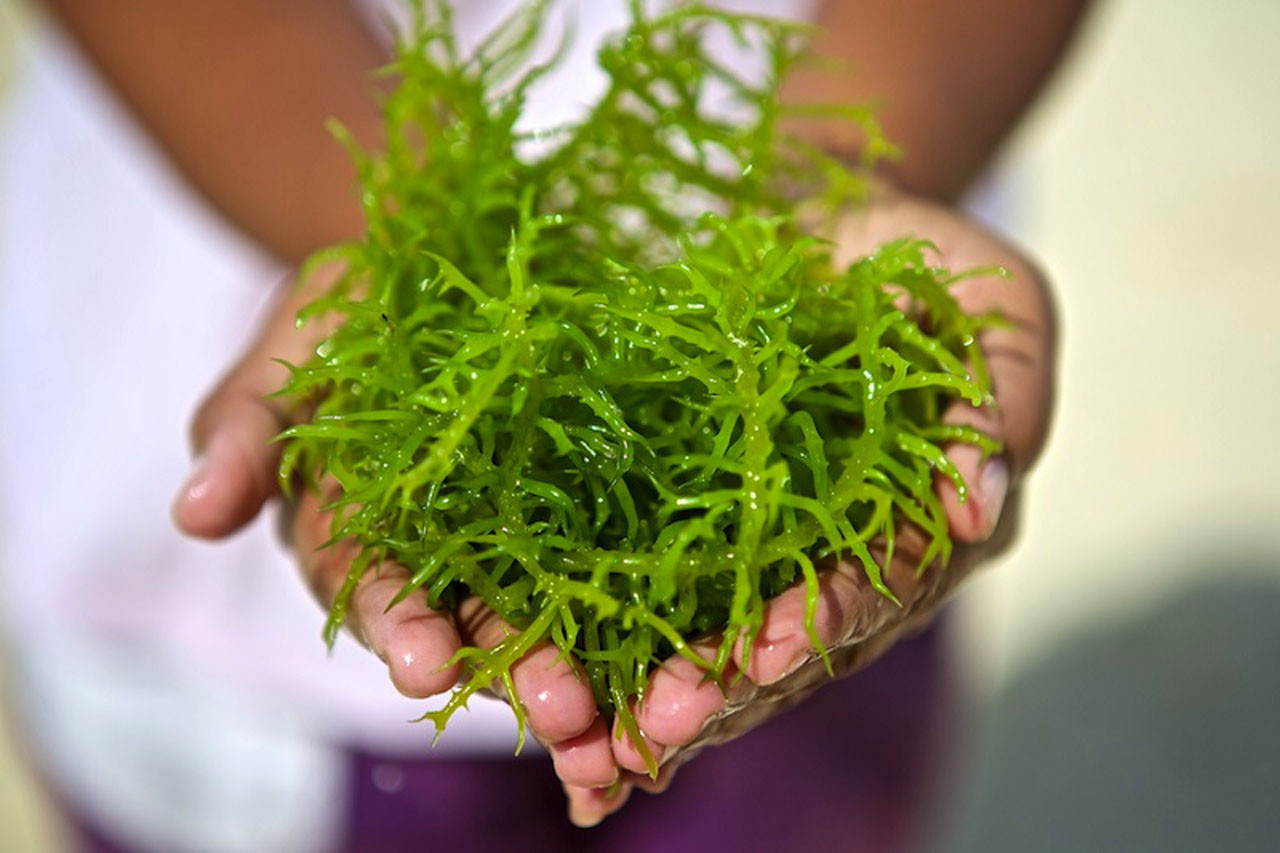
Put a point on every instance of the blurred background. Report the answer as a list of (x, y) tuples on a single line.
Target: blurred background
[(1123, 657), (1122, 661)]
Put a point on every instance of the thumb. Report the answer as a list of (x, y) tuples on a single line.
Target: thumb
[(234, 472), (1019, 359), (1019, 354)]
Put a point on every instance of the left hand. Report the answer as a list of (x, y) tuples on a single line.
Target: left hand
[(683, 712)]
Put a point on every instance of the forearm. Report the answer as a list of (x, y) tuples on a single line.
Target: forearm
[(237, 92), (954, 77)]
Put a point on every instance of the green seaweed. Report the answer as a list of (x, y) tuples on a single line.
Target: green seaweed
[(614, 389)]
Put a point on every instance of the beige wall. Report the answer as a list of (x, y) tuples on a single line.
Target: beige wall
[(1152, 184), (8, 28), (26, 822)]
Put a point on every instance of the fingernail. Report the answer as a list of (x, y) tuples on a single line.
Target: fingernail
[(608, 786), (658, 751), (196, 485), (582, 819), (582, 816), (201, 482), (993, 487)]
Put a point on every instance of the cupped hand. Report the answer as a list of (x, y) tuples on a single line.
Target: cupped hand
[(236, 474), (683, 711)]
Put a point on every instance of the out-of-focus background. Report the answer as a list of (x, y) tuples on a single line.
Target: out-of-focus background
[(1122, 661), (26, 821), (1125, 657)]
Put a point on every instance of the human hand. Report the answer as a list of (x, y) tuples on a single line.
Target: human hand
[(235, 475), (683, 712)]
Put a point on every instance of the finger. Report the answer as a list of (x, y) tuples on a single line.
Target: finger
[(973, 518), (783, 643), (234, 471), (586, 761), (628, 754), (414, 641), (553, 690), (681, 699), (589, 806), (1019, 361), (666, 776), (1019, 358), (235, 468)]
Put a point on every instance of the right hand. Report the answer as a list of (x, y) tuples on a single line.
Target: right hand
[(235, 477)]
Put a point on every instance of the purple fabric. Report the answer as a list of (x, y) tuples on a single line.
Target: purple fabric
[(850, 769)]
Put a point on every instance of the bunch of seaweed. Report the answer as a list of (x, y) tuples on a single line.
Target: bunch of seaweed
[(614, 389)]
